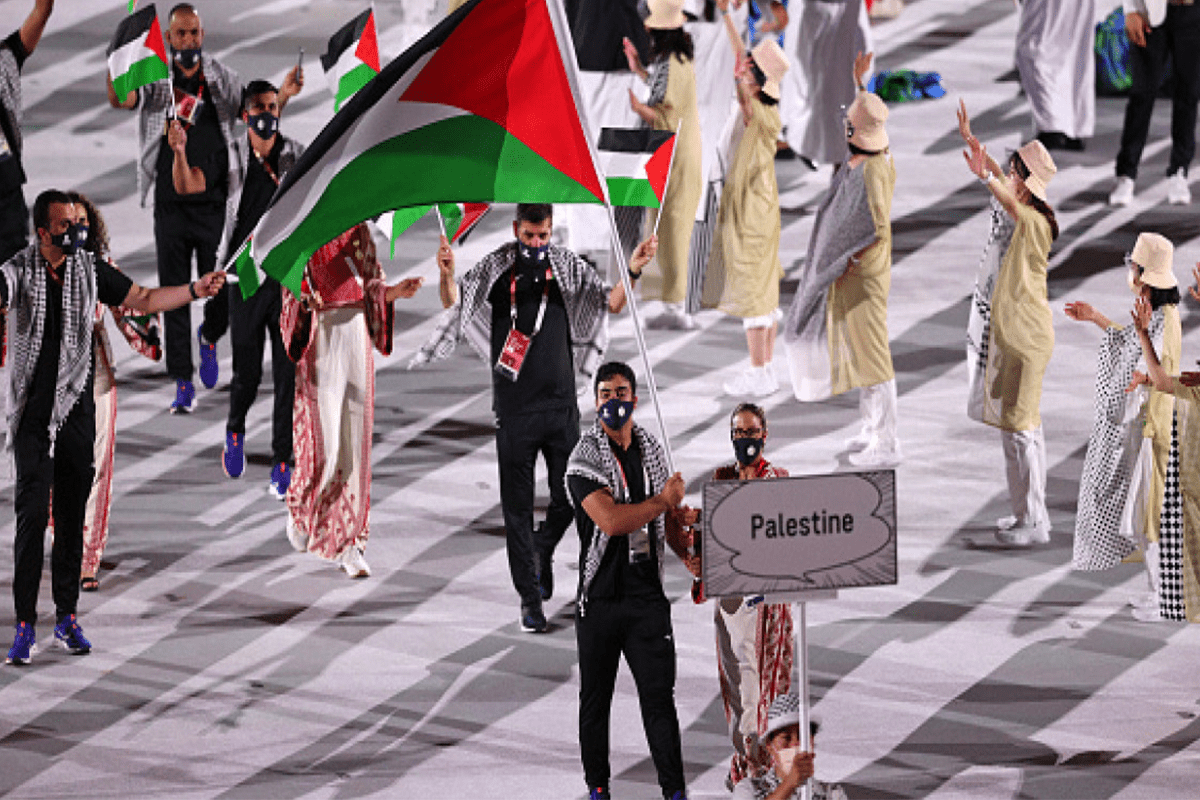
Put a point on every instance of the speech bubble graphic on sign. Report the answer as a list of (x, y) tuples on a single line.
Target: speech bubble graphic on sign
[(802, 533)]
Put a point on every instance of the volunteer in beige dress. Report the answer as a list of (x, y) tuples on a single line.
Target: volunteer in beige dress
[(836, 331), (1022, 332), (744, 281), (1124, 472), (671, 106)]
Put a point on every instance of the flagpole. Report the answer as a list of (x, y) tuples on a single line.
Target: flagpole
[(623, 268), (667, 182), (441, 222)]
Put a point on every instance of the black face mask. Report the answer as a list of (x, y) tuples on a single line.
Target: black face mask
[(83, 236), (747, 449), (534, 256), (67, 241), (187, 58), (265, 124)]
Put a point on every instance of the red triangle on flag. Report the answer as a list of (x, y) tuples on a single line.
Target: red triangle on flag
[(472, 213), (154, 41), (368, 45), (525, 83), (659, 166)]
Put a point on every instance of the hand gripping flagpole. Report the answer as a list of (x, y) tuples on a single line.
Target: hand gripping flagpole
[(623, 268), (667, 182)]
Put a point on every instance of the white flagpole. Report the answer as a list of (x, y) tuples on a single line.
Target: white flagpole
[(441, 222), (667, 182), (623, 267)]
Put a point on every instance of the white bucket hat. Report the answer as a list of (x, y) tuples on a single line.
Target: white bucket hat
[(1155, 254)]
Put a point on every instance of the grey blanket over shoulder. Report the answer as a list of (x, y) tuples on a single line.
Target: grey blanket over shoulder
[(843, 227)]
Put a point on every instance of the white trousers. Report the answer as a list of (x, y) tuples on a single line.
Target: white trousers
[(878, 407), (1025, 467)]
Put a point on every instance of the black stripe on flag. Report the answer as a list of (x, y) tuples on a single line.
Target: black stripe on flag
[(632, 140), (344, 39), (132, 29)]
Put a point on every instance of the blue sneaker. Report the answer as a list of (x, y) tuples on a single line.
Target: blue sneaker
[(24, 645), (233, 459), (209, 371), (599, 793), (70, 636), (679, 795), (281, 479), (185, 397), (533, 620)]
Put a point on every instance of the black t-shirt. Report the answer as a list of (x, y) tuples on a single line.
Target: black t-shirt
[(597, 28), (618, 578), (257, 191), (112, 287), (547, 377), (206, 149), (12, 174)]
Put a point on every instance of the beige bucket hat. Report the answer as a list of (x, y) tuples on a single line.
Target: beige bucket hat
[(773, 62), (1155, 254), (1041, 168), (867, 115), (665, 14)]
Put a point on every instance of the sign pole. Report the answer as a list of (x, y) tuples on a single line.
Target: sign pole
[(800, 616)]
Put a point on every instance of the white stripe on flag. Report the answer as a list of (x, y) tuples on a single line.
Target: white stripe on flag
[(624, 165)]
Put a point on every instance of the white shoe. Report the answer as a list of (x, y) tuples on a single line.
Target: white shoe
[(1144, 601), (875, 455), (1122, 195), (752, 382), (1023, 536), (768, 384), (1151, 614), (1004, 523), (299, 540), (672, 318), (859, 440), (354, 564), (1178, 193)]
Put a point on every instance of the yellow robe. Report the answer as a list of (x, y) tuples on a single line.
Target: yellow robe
[(1022, 327), (856, 313), (1160, 410), (745, 282), (679, 109), (1187, 418)]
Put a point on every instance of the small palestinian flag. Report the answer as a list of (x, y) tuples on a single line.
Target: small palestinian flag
[(394, 223), (353, 58), (249, 276), (137, 55), (459, 219), (635, 162)]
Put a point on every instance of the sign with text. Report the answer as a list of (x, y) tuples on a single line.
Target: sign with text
[(801, 533)]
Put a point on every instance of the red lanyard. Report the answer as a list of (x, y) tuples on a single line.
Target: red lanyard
[(262, 162), (512, 301)]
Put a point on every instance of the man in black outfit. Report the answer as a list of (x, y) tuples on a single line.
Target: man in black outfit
[(541, 312), (1160, 31), (206, 97), (53, 287), (14, 215), (626, 509), (260, 162)]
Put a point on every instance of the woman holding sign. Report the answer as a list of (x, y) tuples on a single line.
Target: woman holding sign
[(754, 638)]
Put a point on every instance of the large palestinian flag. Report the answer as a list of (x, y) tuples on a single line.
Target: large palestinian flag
[(352, 59), (137, 55), (485, 108), (636, 164)]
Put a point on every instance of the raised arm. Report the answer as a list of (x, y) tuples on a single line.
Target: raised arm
[(186, 178), (964, 130), (1085, 312), (166, 298), (35, 24), (1141, 320), (447, 287), (637, 262), (735, 41), (978, 161)]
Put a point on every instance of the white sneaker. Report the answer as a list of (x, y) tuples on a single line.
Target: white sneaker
[(875, 455), (1122, 195), (768, 384), (1004, 523), (1178, 193), (1151, 614), (743, 385), (1143, 601), (1023, 536), (859, 440), (299, 540), (354, 564), (672, 319)]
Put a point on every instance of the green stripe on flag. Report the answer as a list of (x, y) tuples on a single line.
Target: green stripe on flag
[(498, 167), (631, 192), (140, 73), (246, 271), (351, 82), (452, 214), (403, 219), (130, 6)]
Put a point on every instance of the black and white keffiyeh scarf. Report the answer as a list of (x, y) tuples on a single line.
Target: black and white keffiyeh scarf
[(26, 275), (584, 294), (593, 459)]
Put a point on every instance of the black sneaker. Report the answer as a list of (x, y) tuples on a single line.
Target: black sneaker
[(545, 574), (533, 620)]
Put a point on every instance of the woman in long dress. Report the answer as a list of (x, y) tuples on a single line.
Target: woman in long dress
[(1021, 331), (744, 281), (672, 107), (836, 331), (331, 332), (754, 638)]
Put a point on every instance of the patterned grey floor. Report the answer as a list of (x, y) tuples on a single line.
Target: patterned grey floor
[(228, 666)]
